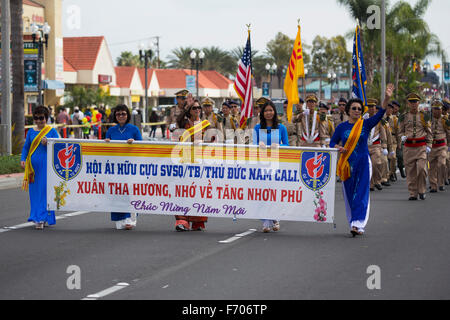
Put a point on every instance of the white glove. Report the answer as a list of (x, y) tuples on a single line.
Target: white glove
[(404, 138), (172, 126), (385, 152), (306, 112), (366, 116), (392, 153), (262, 145), (428, 150), (327, 140)]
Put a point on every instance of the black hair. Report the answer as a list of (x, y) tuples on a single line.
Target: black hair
[(121, 107), (262, 120), (41, 110), (350, 102)]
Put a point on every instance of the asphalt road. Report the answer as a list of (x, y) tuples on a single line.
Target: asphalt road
[(407, 242)]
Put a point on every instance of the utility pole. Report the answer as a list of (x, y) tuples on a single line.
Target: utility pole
[(6, 75), (383, 49)]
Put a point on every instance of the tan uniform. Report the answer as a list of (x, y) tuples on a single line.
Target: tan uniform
[(389, 147), (393, 128), (291, 130), (252, 122), (417, 130), (377, 142), (339, 118), (316, 137), (174, 113), (214, 132), (440, 129), (229, 123)]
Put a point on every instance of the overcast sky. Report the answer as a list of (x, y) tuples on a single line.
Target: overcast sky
[(204, 23)]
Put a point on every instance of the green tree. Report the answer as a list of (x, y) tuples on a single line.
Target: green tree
[(220, 60), (180, 58), (279, 50), (127, 58)]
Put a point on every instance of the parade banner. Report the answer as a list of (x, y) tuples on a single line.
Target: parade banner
[(214, 180)]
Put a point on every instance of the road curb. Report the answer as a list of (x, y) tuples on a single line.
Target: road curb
[(11, 181)]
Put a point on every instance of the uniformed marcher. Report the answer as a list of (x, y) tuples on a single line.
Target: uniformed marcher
[(312, 129), (392, 120), (253, 121), (229, 124), (175, 111), (386, 157), (440, 129), (445, 109), (340, 116), (324, 111), (290, 126), (214, 131), (235, 109), (399, 151), (415, 132), (377, 147)]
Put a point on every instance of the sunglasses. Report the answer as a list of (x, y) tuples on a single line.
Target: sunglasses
[(121, 114), (356, 109), (342, 105), (196, 108), (39, 118)]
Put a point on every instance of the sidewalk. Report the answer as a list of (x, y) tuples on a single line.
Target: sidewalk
[(11, 181)]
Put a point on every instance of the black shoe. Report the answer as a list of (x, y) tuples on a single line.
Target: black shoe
[(393, 178), (422, 196), (412, 198), (372, 189), (402, 172), (386, 184), (378, 187), (433, 191), (441, 189), (446, 182)]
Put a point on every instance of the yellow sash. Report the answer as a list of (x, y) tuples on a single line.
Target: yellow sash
[(28, 176), (195, 129), (343, 167)]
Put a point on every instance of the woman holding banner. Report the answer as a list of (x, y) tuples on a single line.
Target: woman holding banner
[(270, 133), (354, 166), (194, 132), (34, 161), (123, 131)]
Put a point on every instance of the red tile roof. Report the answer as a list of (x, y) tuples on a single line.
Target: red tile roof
[(82, 52), (68, 67), (176, 78), (142, 76), (32, 3), (124, 76)]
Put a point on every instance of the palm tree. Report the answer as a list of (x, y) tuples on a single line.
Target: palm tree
[(127, 58), (17, 116), (180, 58), (219, 60)]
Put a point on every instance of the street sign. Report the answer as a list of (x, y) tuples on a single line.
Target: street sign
[(191, 84), (266, 89), (447, 71)]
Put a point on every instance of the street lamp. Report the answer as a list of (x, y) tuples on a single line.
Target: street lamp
[(145, 54), (271, 69), (196, 62), (39, 35)]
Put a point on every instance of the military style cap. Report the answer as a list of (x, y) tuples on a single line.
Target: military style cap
[(261, 101), (372, 102), (207, 102), (413, 97), (437, 104), (226, 104), (182, 93), (323, 105), (343, 100), (311, 97), (301, 101), (395, 103)]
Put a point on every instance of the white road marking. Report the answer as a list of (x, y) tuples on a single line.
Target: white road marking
[(107, 292), (238, 236), (30, 224)]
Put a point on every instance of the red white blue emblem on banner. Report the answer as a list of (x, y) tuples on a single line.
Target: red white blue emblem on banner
[(315, 169), (67, 160)]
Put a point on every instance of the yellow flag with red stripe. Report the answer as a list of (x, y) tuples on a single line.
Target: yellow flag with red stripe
[(296, 70)]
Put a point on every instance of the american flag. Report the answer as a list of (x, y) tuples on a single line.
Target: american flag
[(243, 84)]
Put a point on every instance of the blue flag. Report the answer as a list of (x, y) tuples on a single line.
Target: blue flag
[(359, 70)]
